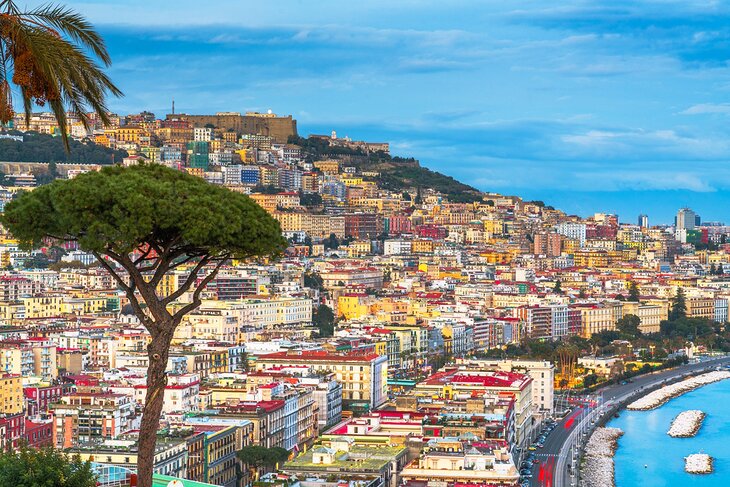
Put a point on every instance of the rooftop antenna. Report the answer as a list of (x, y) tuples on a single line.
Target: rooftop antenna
[(173, 106)]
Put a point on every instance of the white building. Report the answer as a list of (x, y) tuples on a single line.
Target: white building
[(397, 247), (202, 134), (572, 230), (559, 320), (721, 310), (542, 373)]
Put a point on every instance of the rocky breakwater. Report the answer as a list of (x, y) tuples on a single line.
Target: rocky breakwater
[(699, 463), (686, 424), (660, 396), (597, 469)]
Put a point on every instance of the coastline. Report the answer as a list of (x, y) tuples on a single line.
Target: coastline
[(647, 456), (597, 469)]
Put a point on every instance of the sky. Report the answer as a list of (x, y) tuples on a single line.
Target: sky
[(607, 105)]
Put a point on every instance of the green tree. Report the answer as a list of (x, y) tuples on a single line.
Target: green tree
[(308, 243), (313, 280), (53, 53), (331, 242), (604, 338), (141, 223), (629, 325), (679, 306), (713, 269), (29, 467), (36, 261), (558, 288), (309, 199), (53, 170), (44, 148), (590, 380), (259, 457), (324, 319), (419, 199), (634, 294)]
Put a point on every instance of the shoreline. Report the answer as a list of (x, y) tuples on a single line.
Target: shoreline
[(598, 469), (663, 395)]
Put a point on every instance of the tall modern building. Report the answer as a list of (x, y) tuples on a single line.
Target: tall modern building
[(643, 221), (685, 220)]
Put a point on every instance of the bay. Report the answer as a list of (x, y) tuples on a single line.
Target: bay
[(646, 443)]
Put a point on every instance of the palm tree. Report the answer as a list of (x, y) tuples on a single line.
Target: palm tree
[(50, 54)]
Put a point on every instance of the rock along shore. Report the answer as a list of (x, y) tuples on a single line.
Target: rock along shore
[(597, 468), (660, 396)]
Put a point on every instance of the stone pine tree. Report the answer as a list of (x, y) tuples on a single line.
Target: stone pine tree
[(31, 467), (142, 223)]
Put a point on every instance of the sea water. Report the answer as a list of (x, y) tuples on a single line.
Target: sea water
[(645, 441)]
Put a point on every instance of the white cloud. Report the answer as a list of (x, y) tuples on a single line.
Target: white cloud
[(707, 108)]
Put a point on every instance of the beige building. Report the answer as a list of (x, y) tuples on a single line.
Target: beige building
[(363, 376), (701, 308), (596, 318), (651, 315)]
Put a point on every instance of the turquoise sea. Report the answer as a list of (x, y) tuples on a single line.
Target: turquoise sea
[(645, 441)]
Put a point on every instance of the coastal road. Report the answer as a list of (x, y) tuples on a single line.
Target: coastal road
[(554, 458)]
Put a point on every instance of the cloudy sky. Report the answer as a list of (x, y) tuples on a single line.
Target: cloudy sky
[(609, 105)]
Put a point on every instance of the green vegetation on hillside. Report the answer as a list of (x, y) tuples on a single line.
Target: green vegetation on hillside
[(396, 173), (397, 177), (46, 148)]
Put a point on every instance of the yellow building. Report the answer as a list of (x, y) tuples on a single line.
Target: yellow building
[(11, 394), (328, 167), (358, 249), (43, 306), (128, 134), (351, 181), (591, 258), (354, 306), (422, 246), (79, 306)]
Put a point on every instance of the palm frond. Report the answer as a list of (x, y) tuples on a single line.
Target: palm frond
[(52, 52), (73, 25)]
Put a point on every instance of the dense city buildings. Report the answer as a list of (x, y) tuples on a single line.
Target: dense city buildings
[(411, 334)]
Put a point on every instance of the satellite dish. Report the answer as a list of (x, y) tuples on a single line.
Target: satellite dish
[(175, 483)]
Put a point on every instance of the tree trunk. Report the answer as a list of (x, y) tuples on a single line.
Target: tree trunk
[(157, 351)]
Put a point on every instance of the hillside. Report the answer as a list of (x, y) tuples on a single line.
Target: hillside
[(395, 173), (46, 148)]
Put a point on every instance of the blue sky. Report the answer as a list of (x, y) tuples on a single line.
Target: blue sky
[(605, 105)]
